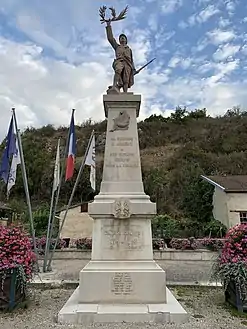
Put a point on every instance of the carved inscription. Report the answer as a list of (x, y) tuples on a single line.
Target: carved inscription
[(122, 158), (124, 239), (122, 284)]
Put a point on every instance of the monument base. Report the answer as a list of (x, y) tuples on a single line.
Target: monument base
[(74, 312), (122, 282)]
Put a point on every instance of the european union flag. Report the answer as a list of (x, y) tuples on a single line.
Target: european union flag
[(10, 149)]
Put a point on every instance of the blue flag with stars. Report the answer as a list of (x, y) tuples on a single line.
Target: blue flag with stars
[(8, 152)]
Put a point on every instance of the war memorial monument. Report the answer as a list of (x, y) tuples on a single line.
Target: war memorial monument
[(121, 282)]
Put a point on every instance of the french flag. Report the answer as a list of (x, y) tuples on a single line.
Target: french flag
[(70, 165)]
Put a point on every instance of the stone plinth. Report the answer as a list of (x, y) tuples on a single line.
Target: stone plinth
[(122, 282)]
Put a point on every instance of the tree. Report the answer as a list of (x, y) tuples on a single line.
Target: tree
[(179, 116), (197, 114)]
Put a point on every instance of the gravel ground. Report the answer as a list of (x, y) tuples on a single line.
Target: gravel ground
[(205, 305)]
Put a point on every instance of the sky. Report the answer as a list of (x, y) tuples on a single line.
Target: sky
[(54, 56)]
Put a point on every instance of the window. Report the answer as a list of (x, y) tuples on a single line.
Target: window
[(243, 216)]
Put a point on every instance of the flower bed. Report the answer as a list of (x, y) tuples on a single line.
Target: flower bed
[(41, 243), (212, 244), (84, 243), (16, 266)]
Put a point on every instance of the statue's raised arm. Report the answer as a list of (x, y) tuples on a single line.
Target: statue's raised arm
[(110, 36)]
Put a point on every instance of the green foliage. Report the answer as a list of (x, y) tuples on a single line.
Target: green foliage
[(197, 114), (40, 219), (155, 182), (197, 198), (236, 111), (165, 227), (156, 118), (179, 115), (215, 229), (175, 152)]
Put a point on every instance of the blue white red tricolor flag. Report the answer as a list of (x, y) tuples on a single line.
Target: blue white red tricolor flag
[(70, 165)]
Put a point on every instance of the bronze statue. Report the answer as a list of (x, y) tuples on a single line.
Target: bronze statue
[(123, 64)]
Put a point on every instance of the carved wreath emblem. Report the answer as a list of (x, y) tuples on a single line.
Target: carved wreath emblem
[(122, 209)]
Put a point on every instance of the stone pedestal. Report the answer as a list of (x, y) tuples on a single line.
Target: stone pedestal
[(122, 282)]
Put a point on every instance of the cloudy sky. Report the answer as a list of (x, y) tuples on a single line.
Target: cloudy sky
[(54, 57)]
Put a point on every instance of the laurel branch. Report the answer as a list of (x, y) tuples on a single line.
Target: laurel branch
[(114, 17)]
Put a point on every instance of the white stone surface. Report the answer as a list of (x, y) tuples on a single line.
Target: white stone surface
[(74, 312), (122, 239), (122, 282)]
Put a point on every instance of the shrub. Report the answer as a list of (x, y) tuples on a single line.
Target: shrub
[(41, 243), (84, 243), (158, 244), (184, 244), (213, 244), (231, 265), (16, 251), (215, 229), (16, 266), (165, 227)]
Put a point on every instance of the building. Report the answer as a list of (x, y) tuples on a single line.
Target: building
[(78, 224), (229, 198)]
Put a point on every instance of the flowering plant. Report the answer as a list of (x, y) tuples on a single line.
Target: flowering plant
[(16, 255), (213, 244), (41, 243), (231, 265), (84, 243), (158, 244), (184, 244)]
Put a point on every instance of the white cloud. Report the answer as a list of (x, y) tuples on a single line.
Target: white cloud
[(183, 25), (44, 88), (174, 61), (224, 22), (231, 6), (218, 36), (203, 15), (170, 6), (222, 70), (225, 51), (153, 22)]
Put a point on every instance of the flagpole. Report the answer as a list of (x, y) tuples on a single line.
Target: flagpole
[(58, 191), (24, 176), (51, 210), (71, 196)]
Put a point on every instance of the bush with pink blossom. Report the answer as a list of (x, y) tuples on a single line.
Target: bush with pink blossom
[(231, 265), (16, 254)]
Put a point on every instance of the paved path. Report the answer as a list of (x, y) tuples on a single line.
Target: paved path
[(189, 272)]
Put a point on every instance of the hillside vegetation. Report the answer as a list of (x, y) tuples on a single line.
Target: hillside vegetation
[(175, 151)]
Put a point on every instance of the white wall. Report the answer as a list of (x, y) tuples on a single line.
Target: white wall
[(77, 224), (226, 206), (220, 209), (236, 201)]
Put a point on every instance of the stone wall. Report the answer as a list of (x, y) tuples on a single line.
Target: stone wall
[(167, 254)]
